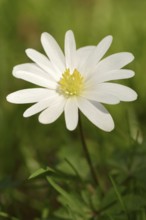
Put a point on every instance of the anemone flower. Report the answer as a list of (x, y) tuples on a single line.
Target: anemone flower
[(73, 81)]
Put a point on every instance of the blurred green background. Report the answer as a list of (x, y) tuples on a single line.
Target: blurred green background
[(26, 145)]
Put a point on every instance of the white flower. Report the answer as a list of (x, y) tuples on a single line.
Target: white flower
[(74, 80)]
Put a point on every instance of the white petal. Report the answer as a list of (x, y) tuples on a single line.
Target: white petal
[(111, 75), (102, 97), (102, 48), (97, 54), (82, 55), (28, 95), (98, 115), (114, 62), (71, 113), (53, 112), (42, 61), (41, 105), (85, 50), (70, 50), (53, 51), (32, 73), (123, 93)]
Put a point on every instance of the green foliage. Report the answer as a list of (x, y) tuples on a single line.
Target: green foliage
[(122, 198)]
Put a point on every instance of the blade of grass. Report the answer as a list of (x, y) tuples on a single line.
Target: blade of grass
[(40, 172), (73, 168), (60, 190), (119, 197)]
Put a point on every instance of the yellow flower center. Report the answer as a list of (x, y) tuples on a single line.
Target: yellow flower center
[(71, 84)]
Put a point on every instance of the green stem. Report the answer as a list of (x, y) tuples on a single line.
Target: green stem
[(86, 152)]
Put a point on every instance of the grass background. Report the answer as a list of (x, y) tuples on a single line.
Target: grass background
[(26, 145)]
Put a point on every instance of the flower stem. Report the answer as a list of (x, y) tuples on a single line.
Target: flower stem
[(86, 152)]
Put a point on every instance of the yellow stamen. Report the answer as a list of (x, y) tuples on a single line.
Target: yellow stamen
[(71, 84)]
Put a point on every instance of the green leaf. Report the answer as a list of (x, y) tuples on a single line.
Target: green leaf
[(110, 198), (71, 201), (73, 168), (119, 197), (40, 172), (60, 190), (118, 194)]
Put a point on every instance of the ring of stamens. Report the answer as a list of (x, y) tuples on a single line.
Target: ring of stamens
[(71, 84)]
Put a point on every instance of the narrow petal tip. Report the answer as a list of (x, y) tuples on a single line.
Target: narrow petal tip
[(110, 128), (41, 120), (69, 32), (131, 73), (132, 56), (129, 56), (110, 38), (70, 128), (25, 114), (14, 70), (135, 96), (11, 98), (8, 98), (44, 35), (28, 51)]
